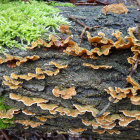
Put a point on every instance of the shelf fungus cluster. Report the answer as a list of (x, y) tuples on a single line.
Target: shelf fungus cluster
[(109, 121), (135, 60), (53, 109), (75, 50), (13, 84), (28, 101), (14, 61), (45, 105), (121, 93), (105, 121), (135, 99), (51, 73), (55, 42), (100, 46), (29, 123), (14, 80)]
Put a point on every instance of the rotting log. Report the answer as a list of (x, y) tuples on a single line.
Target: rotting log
[(89, 84)]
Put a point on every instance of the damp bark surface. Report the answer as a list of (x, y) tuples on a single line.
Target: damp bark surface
[(89, 83)]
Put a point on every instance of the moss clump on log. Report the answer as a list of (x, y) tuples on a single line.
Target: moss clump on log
[(16, 28)]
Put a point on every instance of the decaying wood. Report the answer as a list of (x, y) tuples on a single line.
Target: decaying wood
[(89, 84)]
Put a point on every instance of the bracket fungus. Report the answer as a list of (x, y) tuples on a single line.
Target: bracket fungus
[(28, 101), (101, 44), (115, 8), (94, 124), (76, 132), (131, 113), (54, 42), (119, 93), (65, 29), (51, 73), (37, 43), (135, 85), (120, 43), (126, 120), (9, 114), (10, 80), (64, 111), (27, 77), (13, 84), (108, 121), (42, 118), (60, 43), (99, 131), (28, 122), (135, 100), (87, 108), (100, 40), (65, 93), (79, 51), (68, 111), (47, 106), (24, 77), (97, 67), (103, 124), (59, 66), (113, 131), (133, 60), (26, 112), (13, 61)]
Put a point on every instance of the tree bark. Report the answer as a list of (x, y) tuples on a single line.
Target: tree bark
[(89, 83)]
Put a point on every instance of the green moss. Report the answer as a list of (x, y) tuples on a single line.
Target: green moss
[(64, 4), (5, 123), (15, 28)]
